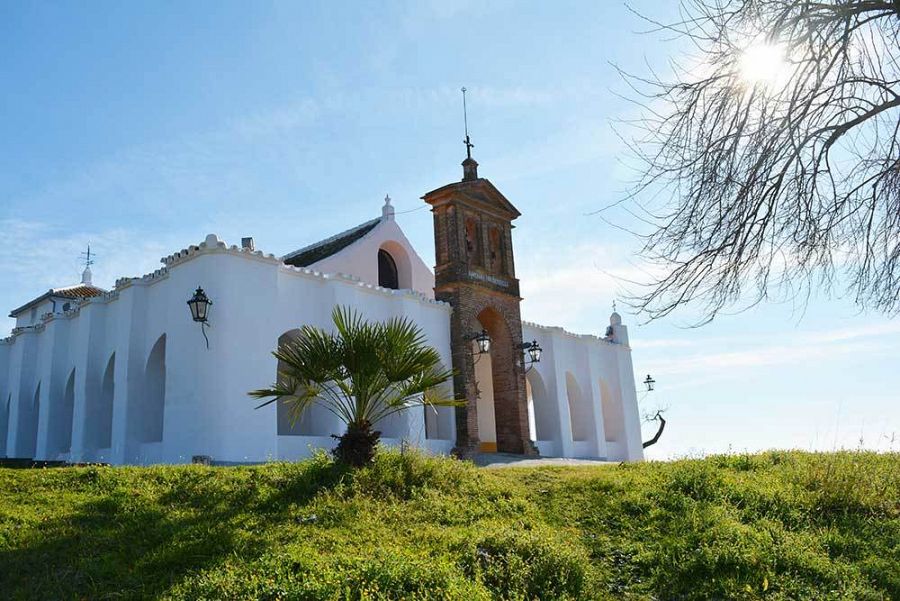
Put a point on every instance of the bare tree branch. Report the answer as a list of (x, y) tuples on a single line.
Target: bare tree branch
[(775, 188), (659, 431)]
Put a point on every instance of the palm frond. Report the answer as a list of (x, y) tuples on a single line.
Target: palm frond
[(363, 372)]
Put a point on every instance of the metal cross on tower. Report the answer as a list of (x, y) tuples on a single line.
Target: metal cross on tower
[(467, 142)]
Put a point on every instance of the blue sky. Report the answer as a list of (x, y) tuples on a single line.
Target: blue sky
[(141, 127)]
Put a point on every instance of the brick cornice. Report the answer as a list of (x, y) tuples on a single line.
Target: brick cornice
[(479, 194)]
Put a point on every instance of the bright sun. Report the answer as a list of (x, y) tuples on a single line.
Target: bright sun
[(763, 64)]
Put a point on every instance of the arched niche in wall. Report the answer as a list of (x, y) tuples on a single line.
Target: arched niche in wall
[(543, 409), (395, 425), (315, 421), (613, 416), (4, 424), (439, 421), (67, 414), (496, 250), (580, 413), (98, 417), (26, 431), (473, 241), (394, 266), (35, 420), (59, 423), (151, 413)]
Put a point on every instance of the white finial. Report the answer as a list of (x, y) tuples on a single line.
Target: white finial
[(86, 276), (387, 211), (615, 319)]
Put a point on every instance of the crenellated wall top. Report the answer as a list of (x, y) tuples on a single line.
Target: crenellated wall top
[(212, 245), (563, 332), (355, 281), (144, 280)]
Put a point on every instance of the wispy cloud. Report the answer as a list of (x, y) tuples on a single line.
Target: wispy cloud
[(698, 341), (757, 352), (566, 285), (47, 256), (667, 343)]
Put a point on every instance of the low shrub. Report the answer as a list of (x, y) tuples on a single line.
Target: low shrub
[(536, 564)]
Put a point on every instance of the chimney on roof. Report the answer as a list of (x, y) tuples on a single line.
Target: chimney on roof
[(247, 243)]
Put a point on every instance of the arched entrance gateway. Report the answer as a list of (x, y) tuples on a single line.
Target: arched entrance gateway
[(475, 273), (499, 407)]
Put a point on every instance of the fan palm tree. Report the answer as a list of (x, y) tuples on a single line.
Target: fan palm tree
[(362, 373)]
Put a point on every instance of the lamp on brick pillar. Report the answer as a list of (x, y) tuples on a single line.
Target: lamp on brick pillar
[(483, 340), (534, 352)]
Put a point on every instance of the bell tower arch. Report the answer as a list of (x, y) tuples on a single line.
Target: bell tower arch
[(475, 273)]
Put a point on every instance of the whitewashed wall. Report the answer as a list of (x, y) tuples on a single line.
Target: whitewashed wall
[(361, 258), (78, 385), (207, 411), (582, 395)]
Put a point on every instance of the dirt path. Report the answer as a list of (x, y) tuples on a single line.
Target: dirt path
[(500, 460)]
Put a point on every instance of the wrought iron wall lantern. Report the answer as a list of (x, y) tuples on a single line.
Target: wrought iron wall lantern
[(199, 305), (649, 382), (483, 341), (534, 352)]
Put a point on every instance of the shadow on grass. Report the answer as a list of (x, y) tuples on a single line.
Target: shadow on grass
[(128, 545)]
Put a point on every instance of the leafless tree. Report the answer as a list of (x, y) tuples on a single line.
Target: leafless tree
[(772, 187), (657, 417)]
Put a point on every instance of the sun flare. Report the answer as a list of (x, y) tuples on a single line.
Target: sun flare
[(763, 64)]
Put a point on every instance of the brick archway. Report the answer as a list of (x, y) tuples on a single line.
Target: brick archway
[(510, 410)]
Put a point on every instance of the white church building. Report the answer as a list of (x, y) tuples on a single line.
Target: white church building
[(124, 376)]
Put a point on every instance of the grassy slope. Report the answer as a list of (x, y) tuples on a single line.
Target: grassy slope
[(775, 526)]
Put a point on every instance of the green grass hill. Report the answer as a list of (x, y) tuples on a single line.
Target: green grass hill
[(778, 525)]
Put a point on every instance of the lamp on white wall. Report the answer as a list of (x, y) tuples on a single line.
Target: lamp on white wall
[(199, 305), (534, 352)]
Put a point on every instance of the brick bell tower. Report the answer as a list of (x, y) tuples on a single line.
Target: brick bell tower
[(475, 273)]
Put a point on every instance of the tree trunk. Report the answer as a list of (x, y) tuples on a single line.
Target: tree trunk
[(662, 426), (357, 445)]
